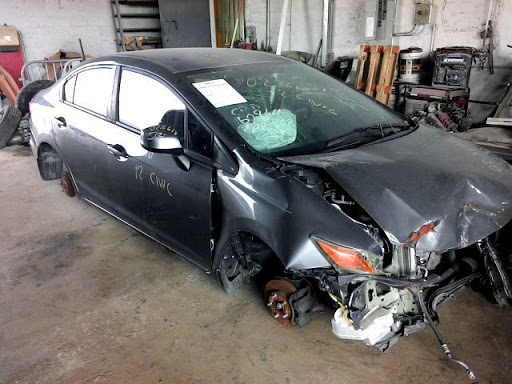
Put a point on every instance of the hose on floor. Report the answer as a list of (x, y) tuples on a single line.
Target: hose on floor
[(441, 338)]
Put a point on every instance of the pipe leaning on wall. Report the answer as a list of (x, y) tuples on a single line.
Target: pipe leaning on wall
[(267, 26), (281, 27), (213, 27), (326, 24)]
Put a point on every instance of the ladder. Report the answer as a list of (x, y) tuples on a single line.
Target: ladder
[(136, 24)]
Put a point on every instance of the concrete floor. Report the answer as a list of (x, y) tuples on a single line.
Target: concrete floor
[(84, 299)]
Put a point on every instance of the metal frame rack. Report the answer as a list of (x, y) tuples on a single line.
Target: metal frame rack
[(136, 21)]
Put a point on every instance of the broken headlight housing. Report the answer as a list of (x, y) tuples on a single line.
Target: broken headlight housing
[(346, 259)]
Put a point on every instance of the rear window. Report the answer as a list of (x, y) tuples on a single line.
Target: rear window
[(93, 89)]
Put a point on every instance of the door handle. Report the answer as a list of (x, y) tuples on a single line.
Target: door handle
[(118, 151), (61, 122)]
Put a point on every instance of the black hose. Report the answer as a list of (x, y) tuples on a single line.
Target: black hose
[(426, 314), (445, 275), (441, 338), (430, 281)]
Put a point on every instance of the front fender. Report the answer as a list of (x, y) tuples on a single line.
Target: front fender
[(283, 213)]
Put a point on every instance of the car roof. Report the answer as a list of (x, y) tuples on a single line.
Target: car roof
[(191, 59)]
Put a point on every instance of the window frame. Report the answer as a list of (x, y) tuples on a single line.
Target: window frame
[(112, 115), (64, 95), (117, 85), (188, 137), (109, 114), (115, 104)]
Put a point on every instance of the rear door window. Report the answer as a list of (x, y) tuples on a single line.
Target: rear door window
[(93, 89), (145, 102)]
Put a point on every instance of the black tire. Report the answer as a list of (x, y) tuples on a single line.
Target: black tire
[(9, 119), (28, 92)]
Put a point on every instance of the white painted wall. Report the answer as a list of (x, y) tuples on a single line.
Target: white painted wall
[(50, 25), (458, 22)]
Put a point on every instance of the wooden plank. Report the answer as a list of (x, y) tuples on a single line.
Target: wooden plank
[(505, 102), (139, 29), (139, 15), (499, 121), (359, 83), (375, 56), (387, 73)]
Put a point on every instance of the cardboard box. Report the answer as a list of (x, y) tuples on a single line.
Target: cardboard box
[(9, 40), (65, 55)]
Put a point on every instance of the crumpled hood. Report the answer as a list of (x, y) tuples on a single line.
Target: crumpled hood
[(423, 177)]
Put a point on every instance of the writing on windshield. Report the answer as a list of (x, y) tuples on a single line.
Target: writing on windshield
[(290, 108)]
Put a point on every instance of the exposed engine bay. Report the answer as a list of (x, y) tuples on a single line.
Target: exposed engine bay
[(382, 296), (377, 234)]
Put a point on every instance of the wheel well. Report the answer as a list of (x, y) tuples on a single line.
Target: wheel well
[(259, 251), (244, 256), (49, 162)]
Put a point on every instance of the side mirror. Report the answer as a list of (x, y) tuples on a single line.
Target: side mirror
[(161, 139)]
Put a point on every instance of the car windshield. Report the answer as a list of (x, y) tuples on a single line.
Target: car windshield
[(288, 108)]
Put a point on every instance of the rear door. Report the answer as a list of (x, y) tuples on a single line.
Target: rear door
[(81, 123)]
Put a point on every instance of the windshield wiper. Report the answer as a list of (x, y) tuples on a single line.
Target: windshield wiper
[(378, 131)]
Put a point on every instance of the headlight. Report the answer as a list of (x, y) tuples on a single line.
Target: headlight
[(346, 259)]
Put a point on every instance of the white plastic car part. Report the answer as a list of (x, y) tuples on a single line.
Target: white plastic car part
[(378, 329)]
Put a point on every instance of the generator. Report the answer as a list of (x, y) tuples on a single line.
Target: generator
[(452, 66), (418, 97), (442, 106)]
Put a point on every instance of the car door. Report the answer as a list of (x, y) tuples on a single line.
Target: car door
[(175, 199), (81, 125)]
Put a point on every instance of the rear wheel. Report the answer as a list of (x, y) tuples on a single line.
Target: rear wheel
[(49, 163)]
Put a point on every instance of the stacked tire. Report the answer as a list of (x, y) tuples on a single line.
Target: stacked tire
[(28, 92), (14, 125), (10, 118)]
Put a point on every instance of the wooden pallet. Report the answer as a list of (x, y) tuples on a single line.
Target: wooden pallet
[(377, 62)]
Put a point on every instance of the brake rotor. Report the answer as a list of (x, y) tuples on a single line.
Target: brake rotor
[(277, 294), (67, 184)]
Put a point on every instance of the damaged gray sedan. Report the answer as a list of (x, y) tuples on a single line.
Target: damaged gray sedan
[(253, 166)]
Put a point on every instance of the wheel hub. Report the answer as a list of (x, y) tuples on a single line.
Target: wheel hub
[(277, 294), (67, 184)]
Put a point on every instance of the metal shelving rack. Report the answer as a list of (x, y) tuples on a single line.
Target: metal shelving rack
[(136, 19)]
